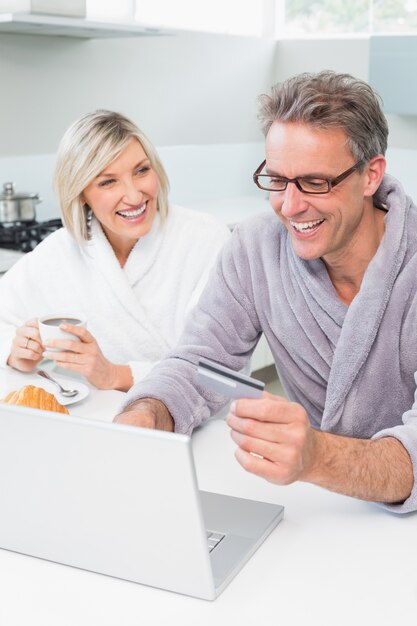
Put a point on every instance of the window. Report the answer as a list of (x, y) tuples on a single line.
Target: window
[(394, 16), (321, 17)]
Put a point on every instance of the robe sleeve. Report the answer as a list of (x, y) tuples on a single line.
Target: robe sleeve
[(406, 433), (16, 290), (222, 327)]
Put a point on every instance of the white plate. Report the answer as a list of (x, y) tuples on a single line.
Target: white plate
[(67, 383)]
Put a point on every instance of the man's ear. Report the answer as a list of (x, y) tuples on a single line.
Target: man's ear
[(375, 170)]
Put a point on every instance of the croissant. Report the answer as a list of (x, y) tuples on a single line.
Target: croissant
[(35, 398)]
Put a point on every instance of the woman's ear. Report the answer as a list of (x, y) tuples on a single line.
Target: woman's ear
[(83, 204), (375, 170)]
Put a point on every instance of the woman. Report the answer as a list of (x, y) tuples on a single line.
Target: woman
[(128, 261)]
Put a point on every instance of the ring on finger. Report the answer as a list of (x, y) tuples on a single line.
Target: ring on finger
[(27, 342)]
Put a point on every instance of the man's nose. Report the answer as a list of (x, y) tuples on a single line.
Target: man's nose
[(294, 201)]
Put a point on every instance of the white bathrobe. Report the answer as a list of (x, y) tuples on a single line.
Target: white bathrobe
[(135, 313)]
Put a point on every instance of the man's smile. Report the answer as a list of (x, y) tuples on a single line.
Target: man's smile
[(306, 227)]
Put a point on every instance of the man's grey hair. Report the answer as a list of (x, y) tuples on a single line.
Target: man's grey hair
[(329, 100)]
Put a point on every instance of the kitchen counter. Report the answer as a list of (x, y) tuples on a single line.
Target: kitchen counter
[(8, 258)]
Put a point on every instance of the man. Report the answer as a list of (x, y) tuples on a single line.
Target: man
[(333, 285)]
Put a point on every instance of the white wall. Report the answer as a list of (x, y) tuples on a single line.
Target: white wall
[(181, 89), (293, 56), (189, 92), (194, 94)]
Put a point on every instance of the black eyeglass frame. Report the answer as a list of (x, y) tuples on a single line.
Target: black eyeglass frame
[(330, 182)]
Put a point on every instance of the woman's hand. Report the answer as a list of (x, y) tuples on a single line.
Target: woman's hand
[(27, 348), (85, 357)]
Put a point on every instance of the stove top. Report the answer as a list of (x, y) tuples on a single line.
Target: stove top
[(24, 236)]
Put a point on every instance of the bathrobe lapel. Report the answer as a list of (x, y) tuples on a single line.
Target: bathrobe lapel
[(121, 281), (343, 335), (363, 316)]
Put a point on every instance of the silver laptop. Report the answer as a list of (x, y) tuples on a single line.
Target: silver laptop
[(121, 501)]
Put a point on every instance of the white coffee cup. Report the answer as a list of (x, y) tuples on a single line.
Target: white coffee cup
[(49, 328)]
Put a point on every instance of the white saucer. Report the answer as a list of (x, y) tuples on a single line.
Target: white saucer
[(67, 383)]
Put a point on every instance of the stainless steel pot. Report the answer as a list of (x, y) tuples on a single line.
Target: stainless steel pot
[(17, 207)]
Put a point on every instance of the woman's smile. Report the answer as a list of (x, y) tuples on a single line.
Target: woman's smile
[(134, 214)]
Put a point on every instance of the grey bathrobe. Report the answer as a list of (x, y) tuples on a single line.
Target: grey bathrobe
[(351, 367)]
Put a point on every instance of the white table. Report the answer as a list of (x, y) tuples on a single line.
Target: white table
[(333, 561), (98, 405)]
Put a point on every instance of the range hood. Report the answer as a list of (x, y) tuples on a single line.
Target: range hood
[(33, 24)]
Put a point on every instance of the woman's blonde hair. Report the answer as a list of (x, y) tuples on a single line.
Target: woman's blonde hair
[(89, 145)]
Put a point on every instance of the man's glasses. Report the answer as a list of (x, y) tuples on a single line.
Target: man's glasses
[(306, 184)]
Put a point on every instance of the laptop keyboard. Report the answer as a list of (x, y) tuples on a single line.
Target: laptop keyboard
[(213, 539)]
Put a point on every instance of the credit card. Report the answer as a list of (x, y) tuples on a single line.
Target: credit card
[(226, 381)]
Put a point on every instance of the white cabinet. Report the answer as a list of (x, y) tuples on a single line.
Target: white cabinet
[(392, 65), (62, 26)]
